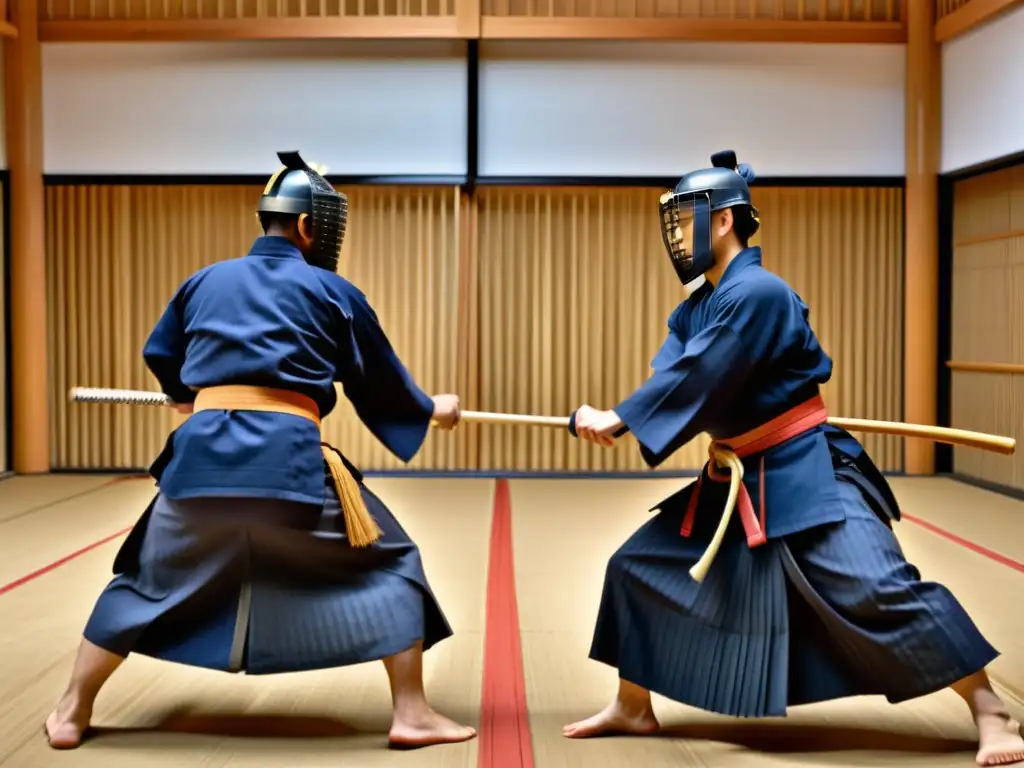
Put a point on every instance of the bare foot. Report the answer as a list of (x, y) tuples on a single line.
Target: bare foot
[(1000, 740), (426, 729), (66, 725), (615, 719)]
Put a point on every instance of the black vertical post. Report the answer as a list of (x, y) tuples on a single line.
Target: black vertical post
[(472, 114), (943, 452)]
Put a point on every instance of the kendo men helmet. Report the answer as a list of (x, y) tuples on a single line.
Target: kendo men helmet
[(695, 197), (297, 189)]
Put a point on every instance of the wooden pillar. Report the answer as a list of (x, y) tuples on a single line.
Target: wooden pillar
[(23, 96), (921, 246)]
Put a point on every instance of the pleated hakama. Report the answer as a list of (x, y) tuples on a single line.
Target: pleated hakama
[(264, 586), (826, 613)]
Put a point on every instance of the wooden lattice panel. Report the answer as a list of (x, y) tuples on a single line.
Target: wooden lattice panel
[(782, 10), (946, 7), (177, 10)]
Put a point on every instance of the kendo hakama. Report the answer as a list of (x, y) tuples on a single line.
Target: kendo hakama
[(265, 586), (810, 597), (826, 613)]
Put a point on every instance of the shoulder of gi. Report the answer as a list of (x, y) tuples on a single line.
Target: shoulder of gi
[(344, 294)]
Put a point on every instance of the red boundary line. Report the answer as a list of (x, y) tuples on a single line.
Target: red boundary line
[(1009, 562), (58, 563), (78, 553), (504, 733)]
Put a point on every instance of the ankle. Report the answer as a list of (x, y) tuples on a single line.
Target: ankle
[(410, 707), (73, 708), (986, 703), (634, 706), (1003, 718)]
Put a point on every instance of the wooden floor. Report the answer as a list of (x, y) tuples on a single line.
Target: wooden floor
[(59, 535)]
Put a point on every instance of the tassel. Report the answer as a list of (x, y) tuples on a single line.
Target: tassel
[(362, 530)]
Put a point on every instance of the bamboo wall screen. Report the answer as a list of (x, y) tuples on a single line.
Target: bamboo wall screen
[(575, 291), (988, 318), (116, 254), (525, 300)]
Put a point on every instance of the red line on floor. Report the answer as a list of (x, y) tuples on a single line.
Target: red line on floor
[(504, 732), (58, 563), (68, 558), (1009, 562)]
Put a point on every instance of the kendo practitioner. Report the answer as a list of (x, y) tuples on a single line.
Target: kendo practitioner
[(809, 597), (263, 552)]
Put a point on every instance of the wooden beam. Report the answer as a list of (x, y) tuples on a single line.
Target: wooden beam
[(970, 15), (6, 28), (718, 30), (467, 13), (979, 239), (1016, 369), (23, 102), (467, 23), (921, 239), (299, 28)]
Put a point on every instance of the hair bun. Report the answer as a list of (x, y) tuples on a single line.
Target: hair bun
[(744, 170)]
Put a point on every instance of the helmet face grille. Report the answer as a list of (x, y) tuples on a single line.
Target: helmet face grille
[(330, 222), (673, 222), (686, 232)]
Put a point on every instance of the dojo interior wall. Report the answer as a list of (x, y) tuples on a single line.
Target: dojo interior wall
[(544, 288), (987, 319), (116, 254), (546, 108), (982, 110), (574, 291), (559, 298), (644, 108), (982, 134), (360, 107)]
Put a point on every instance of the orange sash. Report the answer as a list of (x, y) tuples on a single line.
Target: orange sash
[(360, 526)]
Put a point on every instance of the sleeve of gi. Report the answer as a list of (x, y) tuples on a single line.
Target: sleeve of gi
[(694, 380), (164, 351), (382, 391)]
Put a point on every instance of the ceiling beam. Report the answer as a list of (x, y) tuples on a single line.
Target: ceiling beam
[(968, 16), (707, 29), (296, 28)]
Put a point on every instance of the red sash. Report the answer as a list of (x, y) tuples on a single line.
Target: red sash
[(793, 422)]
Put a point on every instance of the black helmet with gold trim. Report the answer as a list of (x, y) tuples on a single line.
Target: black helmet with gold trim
[(300, 190)]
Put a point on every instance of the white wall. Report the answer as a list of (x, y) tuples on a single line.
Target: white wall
[(659, 109), (358, 107), (982, 98), (577, 108)]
